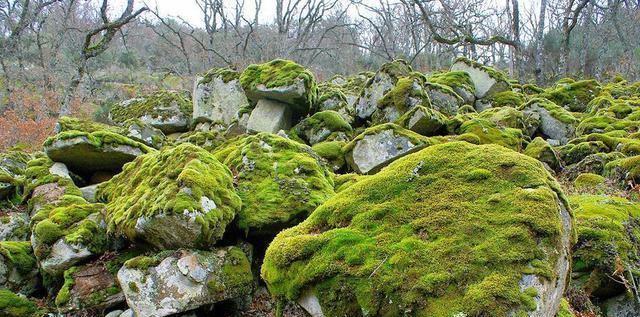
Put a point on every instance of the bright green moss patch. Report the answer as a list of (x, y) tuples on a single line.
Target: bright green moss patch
[(279, 181), (74, 124), (406, 89), (397, 130), (14, 305), (454, 79), (541, 150), (320, 126), (624, 169), (159, 104), (177, 180), (208, 140), (37, 173), (449, 229), (508, 98), (65, 291), (573, 94), (18, 255), (281, 73), (489, 133), (555, 111), (224, 73), (588, 180)]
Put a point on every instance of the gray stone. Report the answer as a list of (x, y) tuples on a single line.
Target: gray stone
[(622, 306), (83, 156), (186, 280), (89, 193), (558, 132), (446, 102), (145, 133), (14, 226), (59, 169), (368, 101), (115, 313), (128, 313), (286, 94), (485, 84), (18, 279), (62, 256), (170, 231), (269, 116), (217, 101), (375, 151), (423, 120)]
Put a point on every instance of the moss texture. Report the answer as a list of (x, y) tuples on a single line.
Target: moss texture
[(208, 140), (489, 133), (506, 98), (454, 79), (18, 255), (279, 181), (153, 105), (450, 229), (224, 73), (320, 126), (413, 137), (540, 150), (588, 180), (574, 95), (14, 305), (492, 72), (37, 173), (555, 111), (171, 181)]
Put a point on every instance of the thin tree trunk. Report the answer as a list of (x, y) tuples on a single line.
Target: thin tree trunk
[(539, 61)]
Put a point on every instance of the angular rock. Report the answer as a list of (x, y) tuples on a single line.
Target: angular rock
[(423, 120), (14, 226), (325, 125), (443, 98), (218, 97), (622, 306), (168, 111), (175, 282), (557, 124), (280, 182), (18, 267), (486, 80), (540, 150), (459, 81), (283, 81), (193, 198), (380, 84), (269, 116), (88, 152), (453, 230), (380, 145), (407, 93), (141, 131)]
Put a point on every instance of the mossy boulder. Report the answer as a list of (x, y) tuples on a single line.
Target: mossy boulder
[(218, 97), (507, 117), (12, 166), (454, 229), (332, 152), (174, 282), (177, 197), (280, 181), (574, 95), (89, 152), (459, 81), (208, 140), (380, 84), (407, 93), (486, 80), (423, 120), (490, 133), (588, 181), (624, 171), (607, 249), (507, 98), (68, 232), (574, 153), (443, 98), (141, 131), (169, 111), (380, 145), (18, 267), (15, 305), (281, 80), (594, 163), (540, 150), (324, 125), (555, 123)]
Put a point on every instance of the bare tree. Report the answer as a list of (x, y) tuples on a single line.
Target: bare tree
[(92, 48), (539, 36), (571, 15)]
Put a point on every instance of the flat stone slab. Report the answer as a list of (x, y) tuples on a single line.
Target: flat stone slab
[(269, 116)]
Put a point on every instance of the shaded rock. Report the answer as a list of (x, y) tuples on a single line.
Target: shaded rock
[(380, 145), (18, 267), (459, 81), (377, 86), (624, 171), (323, 126), (280, 182), (443, 98), (14, 226), (594, 163), (12, 165), (89, 287), (168, 111), (557, 124), (269, 116), (386, 244), (423, 120), (332, 152), (486, 80), (141, 131), (407, 93), (86, 153), (193, 202), (622, 306), (89, 193), (283, 81), (218, 97), (174, 282)]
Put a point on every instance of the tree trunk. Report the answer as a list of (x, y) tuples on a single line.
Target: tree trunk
[(539, 61)]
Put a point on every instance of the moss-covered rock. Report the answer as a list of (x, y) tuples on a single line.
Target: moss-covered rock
[(281, 80), (380, 84), (332, 152), (540, 150), (443, 98), (556, 123), (490, 133), (280, 181), (459, 81), (574, 153), (588, 181), (177, 197), (594, 163), (508, 98), (208, 140), (607, 248), (452, 229), (169, 111), (175, 282), (407, 93), (18, 267), (486, 80), (12, 166), (218, 97), (324, 125), (14, 305), (423, 120), (624, 170), (574, 95)]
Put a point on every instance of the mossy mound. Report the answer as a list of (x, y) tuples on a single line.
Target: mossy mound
[(280, 181), (454, 79), (321, 126), (208, 140), (574, 153), (624, 170), (575, 95), (270, 80), (407, 93), (225, 73), (540, 150), (490, 133), (449, 230), (184, 186), (508, 98), (14, 305), (75, 124), (38, 173), (169, 111), (332, 152), (608, 234), (588, 181)]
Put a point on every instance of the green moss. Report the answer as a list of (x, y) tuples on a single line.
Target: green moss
[(279, 181), (492, 72), (18, 255), (489, 133), (142, 263), (75, 124), (588, 180), (565, 309), (320, 126), (401, 95), (506, 98), (573, 94), (224, 73), (171, 181), (556, 111), (624, 169), (574, 153), (331, 151), (433, 121), (280, 73), (64, 295), (397, 130), (426, 237), (541, 150), (134, 287), (14, 305), (154, 104), (208, 140), (37, 173), (237, 268), (531, 89), (453, 79)]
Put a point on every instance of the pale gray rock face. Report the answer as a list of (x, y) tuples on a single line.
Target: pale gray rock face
[(269, 116), (89, 193), (80, 155), (186, 280), (14, 226), (558, 132), (375, 151), (146, 134), (59, 169), (444, 102), (176, 122), (423, 121), (311, 304), (63, 256), (217, 101), (622, 306), (467, 96), (485, 85), (287, 94), (169, 231), (374, 91), (114, 313)]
